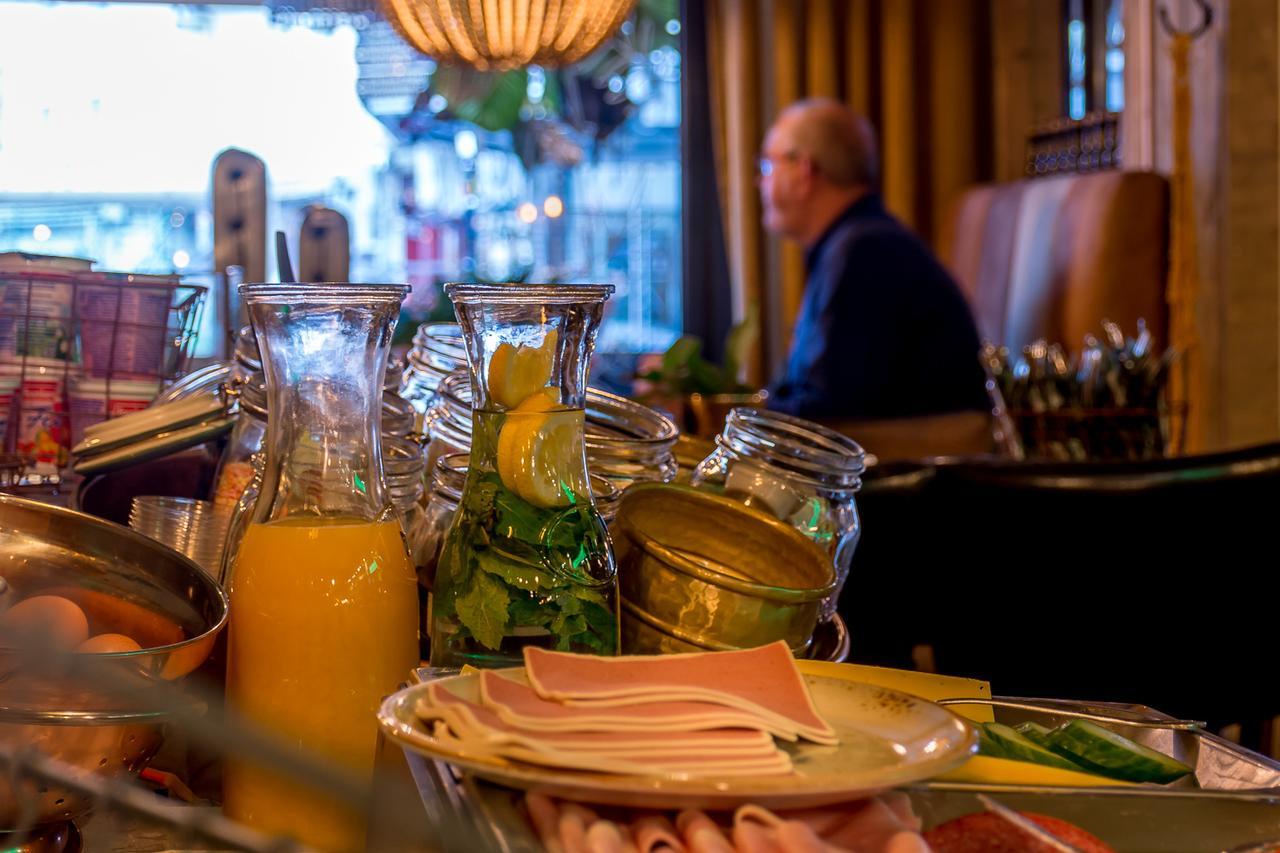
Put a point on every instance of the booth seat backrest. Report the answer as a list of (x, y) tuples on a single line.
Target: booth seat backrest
[(1052, 257)]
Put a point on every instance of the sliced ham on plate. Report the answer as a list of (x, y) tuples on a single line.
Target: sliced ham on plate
[(456, 726), (671, 766), (763, 681), (519, 705), (466, 716)]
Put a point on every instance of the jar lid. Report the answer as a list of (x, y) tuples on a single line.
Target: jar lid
[(151, 433), (205, 380)]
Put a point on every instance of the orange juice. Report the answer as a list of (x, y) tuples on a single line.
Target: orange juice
[(323, 625)]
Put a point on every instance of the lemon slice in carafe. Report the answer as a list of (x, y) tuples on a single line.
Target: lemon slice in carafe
[(517, 372), (539, 453)]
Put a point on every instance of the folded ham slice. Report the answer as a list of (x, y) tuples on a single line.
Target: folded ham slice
[(473, 729), (763, 681), (473, 718), (520, 705), (673, 766)]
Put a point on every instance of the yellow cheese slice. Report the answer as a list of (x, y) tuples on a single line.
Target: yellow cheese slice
[(985, 770), (926, 685)]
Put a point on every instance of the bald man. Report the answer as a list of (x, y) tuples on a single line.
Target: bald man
[(883, 331)]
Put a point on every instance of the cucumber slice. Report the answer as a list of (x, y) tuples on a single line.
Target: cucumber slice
[(1020, 748), (987, 744), (1035, 732), (1106, 752)]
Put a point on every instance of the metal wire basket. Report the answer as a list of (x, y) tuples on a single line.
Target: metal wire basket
[(78, 346)]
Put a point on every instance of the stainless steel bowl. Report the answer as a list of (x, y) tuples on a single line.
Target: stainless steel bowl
[(101, 713), (698, 571)]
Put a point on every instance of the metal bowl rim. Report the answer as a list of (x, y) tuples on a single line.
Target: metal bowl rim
[(676, 561), (220, 594)]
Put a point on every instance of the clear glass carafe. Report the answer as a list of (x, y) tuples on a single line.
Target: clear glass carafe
[(322, 589), (428, 528), (801, 472), (250, 430), (527, 559)]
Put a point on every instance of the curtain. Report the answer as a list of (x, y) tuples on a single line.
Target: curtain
[(920, 70), (706, 305)]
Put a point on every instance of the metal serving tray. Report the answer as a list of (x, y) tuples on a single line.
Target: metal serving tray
[(1234, 800), (1221, 766)]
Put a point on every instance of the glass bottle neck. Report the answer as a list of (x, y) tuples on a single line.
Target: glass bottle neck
[(519, 333), (324, 352)]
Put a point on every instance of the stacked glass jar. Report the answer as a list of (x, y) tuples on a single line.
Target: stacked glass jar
[(438, 350), (627, 442)]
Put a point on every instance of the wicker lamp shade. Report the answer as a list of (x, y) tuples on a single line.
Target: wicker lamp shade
[(502, 34)]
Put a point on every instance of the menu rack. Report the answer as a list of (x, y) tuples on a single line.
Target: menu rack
[(78, 346)]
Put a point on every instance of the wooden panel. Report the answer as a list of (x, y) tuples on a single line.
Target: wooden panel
[(1048, 40), (960, 130), (324, 246), (1250, 366), (1013, 61)]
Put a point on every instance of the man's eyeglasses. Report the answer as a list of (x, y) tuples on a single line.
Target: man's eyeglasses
[(765, 164)]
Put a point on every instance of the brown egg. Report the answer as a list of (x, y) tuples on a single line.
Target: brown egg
[(46, 619), (105, 644)]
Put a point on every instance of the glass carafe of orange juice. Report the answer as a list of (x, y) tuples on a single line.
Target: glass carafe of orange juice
[(323, 595), (527, 559)]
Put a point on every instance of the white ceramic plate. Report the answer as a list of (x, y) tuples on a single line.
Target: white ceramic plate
[(887, 739)]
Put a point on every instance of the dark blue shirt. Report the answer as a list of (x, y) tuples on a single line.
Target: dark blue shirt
[(883, 331)]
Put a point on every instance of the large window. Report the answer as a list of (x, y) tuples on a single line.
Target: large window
[(111, 116)]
